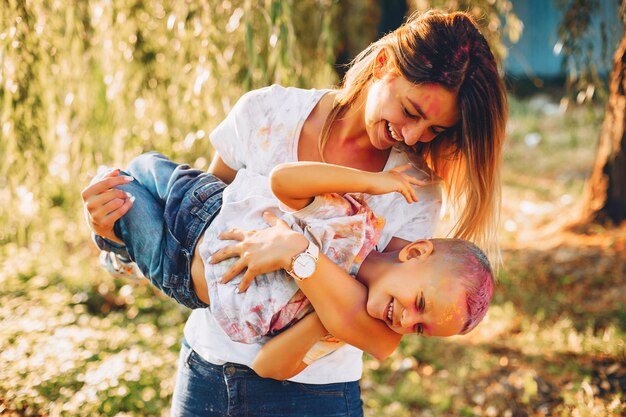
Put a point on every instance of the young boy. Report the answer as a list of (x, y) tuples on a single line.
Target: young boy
[(344, 229)]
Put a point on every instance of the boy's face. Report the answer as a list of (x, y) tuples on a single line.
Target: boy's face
[(419, 296)]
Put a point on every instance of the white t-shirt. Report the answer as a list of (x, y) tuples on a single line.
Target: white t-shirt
[(344, 229), (261, 131)]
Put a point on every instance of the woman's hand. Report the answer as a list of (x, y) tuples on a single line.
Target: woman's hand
[(260, 251), (396, 180), (103, 205)]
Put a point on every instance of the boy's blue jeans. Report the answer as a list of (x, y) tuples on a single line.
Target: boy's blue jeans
[(173, 206)]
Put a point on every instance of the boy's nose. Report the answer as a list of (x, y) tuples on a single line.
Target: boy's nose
[(409, 318)]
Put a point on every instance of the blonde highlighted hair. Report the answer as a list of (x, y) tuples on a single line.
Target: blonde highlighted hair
[(447, 49)]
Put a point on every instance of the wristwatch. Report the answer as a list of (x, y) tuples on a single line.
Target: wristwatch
[(303, 264)]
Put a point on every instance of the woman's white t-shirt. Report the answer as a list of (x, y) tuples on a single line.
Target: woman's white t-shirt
[(261, 131)]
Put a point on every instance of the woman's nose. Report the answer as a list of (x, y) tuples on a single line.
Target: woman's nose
[(416, 132)]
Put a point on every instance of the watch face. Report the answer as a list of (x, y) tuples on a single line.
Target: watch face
[(304, 266)]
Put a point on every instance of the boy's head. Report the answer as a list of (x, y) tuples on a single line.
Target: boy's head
[(436, 287)]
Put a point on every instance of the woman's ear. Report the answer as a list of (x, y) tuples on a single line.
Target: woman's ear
[(417, 249), (381, 63)]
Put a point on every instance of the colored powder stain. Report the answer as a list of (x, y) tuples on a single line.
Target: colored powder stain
[(258, 309), (264, 133)]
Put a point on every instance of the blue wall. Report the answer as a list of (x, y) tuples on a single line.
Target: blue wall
[(533, 55)]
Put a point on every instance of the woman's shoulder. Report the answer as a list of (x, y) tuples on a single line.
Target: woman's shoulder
[(278, 94)]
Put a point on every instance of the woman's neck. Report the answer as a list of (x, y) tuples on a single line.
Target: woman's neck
[(349, 144)]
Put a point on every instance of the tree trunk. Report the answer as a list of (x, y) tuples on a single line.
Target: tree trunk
[(605, 193)]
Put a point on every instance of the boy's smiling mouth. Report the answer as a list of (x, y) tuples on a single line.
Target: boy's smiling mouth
[(389, 315)]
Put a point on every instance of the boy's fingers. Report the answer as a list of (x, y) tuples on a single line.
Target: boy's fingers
[(416, 181)]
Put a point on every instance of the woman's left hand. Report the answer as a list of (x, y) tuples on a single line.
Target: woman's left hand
[(260, 251)]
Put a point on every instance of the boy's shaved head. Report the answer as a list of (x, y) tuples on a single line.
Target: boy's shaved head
[(473, 270)]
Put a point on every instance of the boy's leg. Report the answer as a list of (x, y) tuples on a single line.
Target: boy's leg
[(173, 205), (142, 230)]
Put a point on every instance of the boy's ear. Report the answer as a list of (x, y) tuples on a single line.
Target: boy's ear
[(418, 249)]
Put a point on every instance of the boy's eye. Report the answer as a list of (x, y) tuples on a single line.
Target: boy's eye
[(421, 303)]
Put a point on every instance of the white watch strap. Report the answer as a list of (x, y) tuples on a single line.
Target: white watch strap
[(313, 250)]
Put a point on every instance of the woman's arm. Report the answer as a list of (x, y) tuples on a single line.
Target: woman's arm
[(296, 183), (340, 302), (282, 356)]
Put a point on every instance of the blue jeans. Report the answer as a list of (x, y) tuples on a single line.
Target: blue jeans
[(208, 390), (173, 206)]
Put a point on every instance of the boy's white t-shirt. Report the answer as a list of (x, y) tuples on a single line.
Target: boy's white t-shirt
[(343, 228), (261, 131)]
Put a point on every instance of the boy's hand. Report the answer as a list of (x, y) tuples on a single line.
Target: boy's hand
[(396, 180)]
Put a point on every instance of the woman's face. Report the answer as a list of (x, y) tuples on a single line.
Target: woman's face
[(397, 110), (430, 302)]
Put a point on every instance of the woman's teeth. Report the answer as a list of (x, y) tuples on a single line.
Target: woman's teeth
[(391, 132)]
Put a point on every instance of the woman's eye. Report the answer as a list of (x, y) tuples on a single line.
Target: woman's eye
[(406, 112)]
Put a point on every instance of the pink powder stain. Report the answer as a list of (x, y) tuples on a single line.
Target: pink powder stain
[(258, 309)]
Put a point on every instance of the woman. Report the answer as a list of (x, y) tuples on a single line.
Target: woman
[(430, 88)]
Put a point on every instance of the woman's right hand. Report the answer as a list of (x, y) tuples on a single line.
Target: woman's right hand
[(260, 251), (103, 205)]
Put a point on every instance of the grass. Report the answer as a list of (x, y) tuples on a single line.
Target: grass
[(76, 342), (553, 341)]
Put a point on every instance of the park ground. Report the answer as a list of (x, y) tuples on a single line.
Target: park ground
[(76, 342)]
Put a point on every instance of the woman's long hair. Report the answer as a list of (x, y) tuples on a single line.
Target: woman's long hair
[(449, 50)]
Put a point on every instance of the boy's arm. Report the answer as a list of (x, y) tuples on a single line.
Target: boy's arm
[(341, 306), (282, 356), (296, 183)]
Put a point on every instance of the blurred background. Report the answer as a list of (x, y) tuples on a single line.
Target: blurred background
[(84, 83)]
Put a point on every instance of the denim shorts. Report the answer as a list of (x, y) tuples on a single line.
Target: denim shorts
[(173, 206), (208, 390)]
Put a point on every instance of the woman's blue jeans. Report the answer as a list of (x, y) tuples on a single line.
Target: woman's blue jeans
[(173, 206), (208, 390)]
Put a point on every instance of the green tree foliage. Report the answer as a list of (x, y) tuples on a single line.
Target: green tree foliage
[(89, 82)]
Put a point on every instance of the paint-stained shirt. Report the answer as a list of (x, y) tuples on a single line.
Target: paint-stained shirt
[(262, 130), (342, 226)]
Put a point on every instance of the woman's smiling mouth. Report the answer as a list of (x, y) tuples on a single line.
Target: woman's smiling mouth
[(392, 133)]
